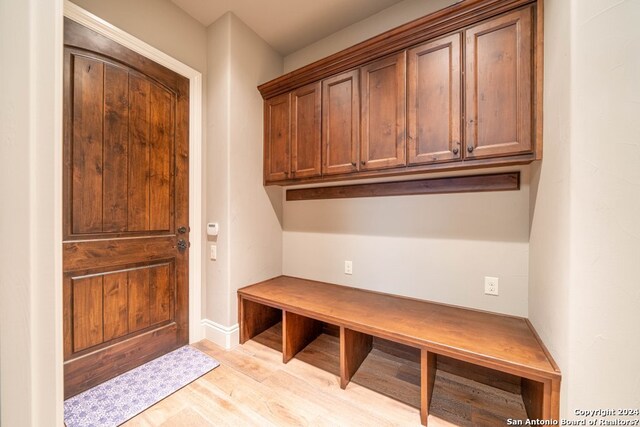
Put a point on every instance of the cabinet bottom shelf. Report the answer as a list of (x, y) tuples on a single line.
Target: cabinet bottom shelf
[(456, 399)]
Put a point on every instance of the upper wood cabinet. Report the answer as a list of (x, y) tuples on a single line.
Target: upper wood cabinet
[(277, 142), (458, 89), (499, 85), (340, 123), (383, 101), (433, 98), (305, 131), (292, 135)]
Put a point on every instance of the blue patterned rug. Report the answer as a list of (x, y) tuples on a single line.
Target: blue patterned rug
[(121, 398)]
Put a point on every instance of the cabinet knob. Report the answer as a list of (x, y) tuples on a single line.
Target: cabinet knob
[(353, 163), (470, 148), (363, 162), (455, 150)]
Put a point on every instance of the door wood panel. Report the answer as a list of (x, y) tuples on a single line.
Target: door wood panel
[(125, 194), (88, 95), (115, 149), (87, 312), (161, 131), (277, 122), (306, 130), (138, 188), (499, 55), (383, 143), (115, 305), (106, 305), (434, 101), (138, 304), (340, 123), (160, 294)]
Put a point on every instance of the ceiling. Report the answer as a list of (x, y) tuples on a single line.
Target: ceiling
[(287, 25)]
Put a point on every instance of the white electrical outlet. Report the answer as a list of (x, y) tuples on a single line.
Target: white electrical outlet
[(491, 285), (214, 252), (348, 267)]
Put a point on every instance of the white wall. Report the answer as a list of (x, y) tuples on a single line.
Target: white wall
[(436, 247), (585, 262), (391, 17), (216, 306), (30, 215), (549, 244), (605, 205), (255, 214), (249, 245)]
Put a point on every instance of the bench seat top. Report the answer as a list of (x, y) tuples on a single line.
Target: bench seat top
[(498, 341)]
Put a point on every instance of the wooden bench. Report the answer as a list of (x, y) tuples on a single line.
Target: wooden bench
[(504, 343)]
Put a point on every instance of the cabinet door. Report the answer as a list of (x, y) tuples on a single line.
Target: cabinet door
[(340, 123), (433, 99), (383, 142), (305, 131), (498, 86), (277, 160)]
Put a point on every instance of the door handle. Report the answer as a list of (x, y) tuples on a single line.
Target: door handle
[(182, 245)]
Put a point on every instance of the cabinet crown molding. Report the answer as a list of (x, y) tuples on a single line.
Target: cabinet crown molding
[(441, 22)]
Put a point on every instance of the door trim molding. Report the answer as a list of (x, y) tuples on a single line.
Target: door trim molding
[(102, 27)]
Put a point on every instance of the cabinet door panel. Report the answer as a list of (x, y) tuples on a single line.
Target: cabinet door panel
[(433, 98), (498, 86), (305, 131), (383, 142), (277, 160), (340, 123)]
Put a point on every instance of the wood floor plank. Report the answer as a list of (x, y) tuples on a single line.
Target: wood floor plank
[(275, 406), (252, 387), (341, 412), (228, 407), (378, 374), (256, 366), (359, 397), (188, 417)]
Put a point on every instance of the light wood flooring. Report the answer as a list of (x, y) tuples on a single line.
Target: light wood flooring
[(253, 387)]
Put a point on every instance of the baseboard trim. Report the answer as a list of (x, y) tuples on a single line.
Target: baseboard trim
[(224, 336)]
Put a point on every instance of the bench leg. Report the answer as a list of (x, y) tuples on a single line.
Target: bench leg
[(541, 399), (551, 400), (255, 318), (297, 332), (354, 348), (428, 363)]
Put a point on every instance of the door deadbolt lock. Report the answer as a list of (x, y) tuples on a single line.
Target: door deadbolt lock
[(182, 229)]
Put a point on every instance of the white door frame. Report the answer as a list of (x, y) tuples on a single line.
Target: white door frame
[(100, 26)]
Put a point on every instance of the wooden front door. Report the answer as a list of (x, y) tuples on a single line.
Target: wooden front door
[(126, 231)]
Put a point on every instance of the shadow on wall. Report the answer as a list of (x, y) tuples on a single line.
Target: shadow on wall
[(276, 195), (490, 216), (534, 184)]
